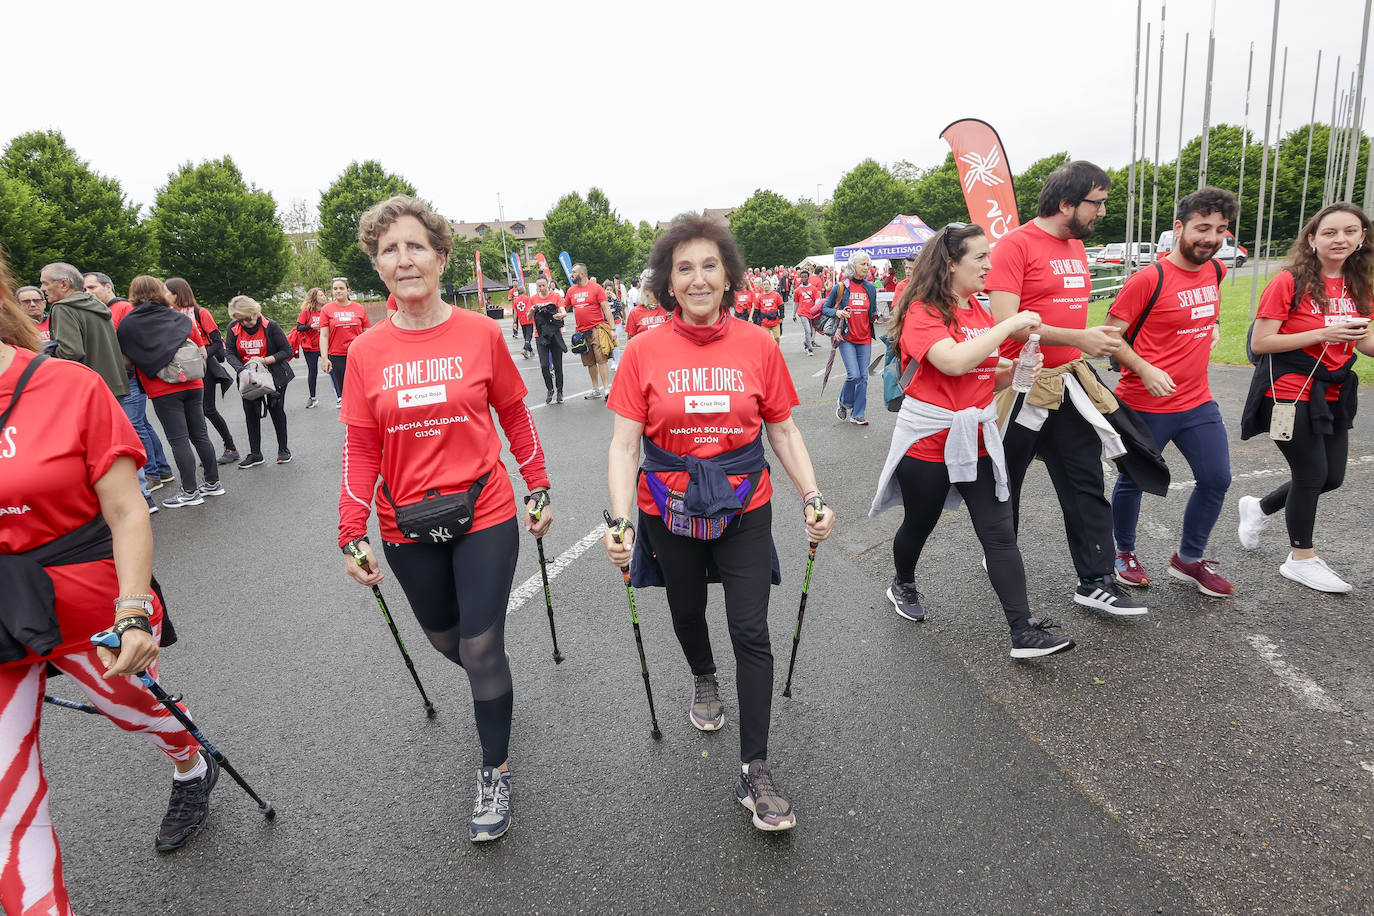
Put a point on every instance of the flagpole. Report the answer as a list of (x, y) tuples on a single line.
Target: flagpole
[(1357, 133), (1331, 135), (1278, 138), (1130, 178), (1244, 148), (500, 224), (1144, 129), (1182, 99), (1159, 110), (1311, 129), (1207, 99), (1264, 160)]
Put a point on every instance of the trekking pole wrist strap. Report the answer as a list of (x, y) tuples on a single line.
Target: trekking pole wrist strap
[(817, 503), (354, 550), (541, 499)]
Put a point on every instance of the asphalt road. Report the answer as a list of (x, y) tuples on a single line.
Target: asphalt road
[(1213, 756)]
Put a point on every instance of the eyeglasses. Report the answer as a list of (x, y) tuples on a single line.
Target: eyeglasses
[(1099, 204), (949, 249)]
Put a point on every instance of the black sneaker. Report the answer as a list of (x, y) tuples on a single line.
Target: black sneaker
[(559, 399), (1106, 595), (906, 599), (548, 398), (1037, 640), (284, 456), (229, 457), (188, 809), (253, 460), (755, 790)]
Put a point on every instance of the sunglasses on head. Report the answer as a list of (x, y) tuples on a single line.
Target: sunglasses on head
[(948, 227)]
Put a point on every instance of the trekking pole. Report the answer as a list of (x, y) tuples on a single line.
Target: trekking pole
[(544, 572), (361, 559), (110, 640), (71, 704), (639, 640), (801, 612)]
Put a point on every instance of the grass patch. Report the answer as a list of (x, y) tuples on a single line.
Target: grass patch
[(1235, 321)]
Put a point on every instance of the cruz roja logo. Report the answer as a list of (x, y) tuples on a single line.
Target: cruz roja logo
[(980, 168), (440, 534)]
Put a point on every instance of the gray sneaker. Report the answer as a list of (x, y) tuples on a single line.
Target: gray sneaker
[(906, 599), (755, 791), (706, 711), (491, 814)]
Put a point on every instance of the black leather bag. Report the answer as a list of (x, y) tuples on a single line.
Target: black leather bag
[(438, 518)]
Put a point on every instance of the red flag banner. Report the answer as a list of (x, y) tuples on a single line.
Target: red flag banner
[(543, 265), (985, 176)]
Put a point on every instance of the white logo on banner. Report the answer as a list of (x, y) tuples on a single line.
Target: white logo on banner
[(980, 168), (415, 397), (711, 403)]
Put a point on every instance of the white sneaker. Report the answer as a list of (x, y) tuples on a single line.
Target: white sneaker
[(1315, 574), (1253, 521)]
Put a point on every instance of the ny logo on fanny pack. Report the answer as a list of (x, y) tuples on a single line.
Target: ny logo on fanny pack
[(440, 534)]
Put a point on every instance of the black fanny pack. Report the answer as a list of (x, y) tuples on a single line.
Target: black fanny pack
[(438, 518)]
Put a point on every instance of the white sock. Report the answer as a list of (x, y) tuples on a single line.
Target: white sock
[(744, 768), (196, 773)]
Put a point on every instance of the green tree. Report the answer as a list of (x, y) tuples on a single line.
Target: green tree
[(865, 200), (1030, 182), (816, 242), (219, 232), (25, 227), (341, 206), (590, 232), (85, 218), (461, 269), (645, 236), (936, 196), (770, 230), (308, 266)]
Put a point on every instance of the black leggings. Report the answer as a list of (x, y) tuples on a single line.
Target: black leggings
[(458, 592), (312, 368), (337, 365), (924, 485), (528, 331), (215, 417), (1317, 465), (550, 356), (252, 418), (741, 555), (182, 416)]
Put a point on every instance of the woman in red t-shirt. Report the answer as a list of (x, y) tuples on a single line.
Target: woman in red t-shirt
[(946, 447), (308, 326), (180, 297), (149, 336), (341, 322), (422, 387), (705, 387), (69, 504), (253, 337), (1306, 346)]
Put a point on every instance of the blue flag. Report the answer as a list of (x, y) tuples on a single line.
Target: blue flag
[(519, 274), (567, 265)]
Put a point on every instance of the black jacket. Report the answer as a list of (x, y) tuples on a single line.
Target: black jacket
[(277, 345), (151, 334), (548, 328), (1142, 462), (1324, 416)]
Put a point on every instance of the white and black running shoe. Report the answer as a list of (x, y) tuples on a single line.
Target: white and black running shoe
[(1106, 595), (1036, 640), (907, 600), (491, 813)]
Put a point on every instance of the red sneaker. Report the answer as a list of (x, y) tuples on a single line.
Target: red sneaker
[(1129, 571), (1203, 576)]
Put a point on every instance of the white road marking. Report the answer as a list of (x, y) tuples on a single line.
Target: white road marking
[(1307, 689), (535, 583)]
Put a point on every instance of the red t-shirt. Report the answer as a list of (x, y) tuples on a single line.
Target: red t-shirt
[(430, 395), (155, 387), (703, 400), (897, 292), (553, 298), (346, 323), (770, 309), (63, 436), (744, 301), (310, 340), (807, 300), (642, 318), (860, 328), (1051, 277), (1340, 308), (44, 329), (521, 305), (1176, 336), (118, 309), (251, 345), (817, 282), (975, 388), (586, 301)]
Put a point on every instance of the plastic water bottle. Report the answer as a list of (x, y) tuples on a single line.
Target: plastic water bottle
[(1021, 381)]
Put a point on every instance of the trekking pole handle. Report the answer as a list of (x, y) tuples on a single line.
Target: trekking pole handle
[(356, 551), (110, 640), (540, 498)]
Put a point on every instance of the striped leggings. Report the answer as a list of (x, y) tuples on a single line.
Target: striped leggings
[(30, 863)]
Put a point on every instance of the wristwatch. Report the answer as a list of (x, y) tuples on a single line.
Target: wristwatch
[(131, 623)]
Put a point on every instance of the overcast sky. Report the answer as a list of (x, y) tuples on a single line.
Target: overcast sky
[(666, 107)]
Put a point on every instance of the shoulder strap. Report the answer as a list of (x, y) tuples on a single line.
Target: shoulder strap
[(1140, 322), (1297, 293), (19, 386), (1216, 265)]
